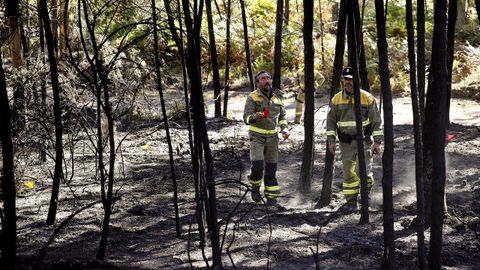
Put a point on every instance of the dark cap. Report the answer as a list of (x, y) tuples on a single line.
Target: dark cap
[(347, 72)]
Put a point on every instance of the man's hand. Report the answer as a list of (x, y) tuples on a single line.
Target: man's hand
[(258, 115), (332, 147), (376, 148), (285, 134)]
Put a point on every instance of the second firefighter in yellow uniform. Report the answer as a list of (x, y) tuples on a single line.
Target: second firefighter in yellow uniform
[(341, 123)]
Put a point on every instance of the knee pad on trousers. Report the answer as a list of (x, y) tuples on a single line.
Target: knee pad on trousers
[(270, 171), (257, 170)]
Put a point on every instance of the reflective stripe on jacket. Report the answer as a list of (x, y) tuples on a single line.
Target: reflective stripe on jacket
[(341, 116), (258, 102)]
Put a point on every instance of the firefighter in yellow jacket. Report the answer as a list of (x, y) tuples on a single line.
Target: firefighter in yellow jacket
[(300, 94), (341, 123), (264, 111)]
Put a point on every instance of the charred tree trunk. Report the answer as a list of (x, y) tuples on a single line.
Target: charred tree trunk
[(247, 46), (326, 195), (452, 18), (193, 152), (387, 159), (353, 57), (171, 25), (9, 222), (277, 54), (57, 112), (435, 130), (227, 59), (421, 56), (213, 59), (309, 54), (100, 82), (417, 129), (364, 83), (43, 87), (165, 119), (200, 129)]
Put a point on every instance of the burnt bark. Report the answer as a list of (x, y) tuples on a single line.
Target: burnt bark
[(417, 129), (9, 221), (353, 58), (308, 145), (326, 195), (247, 46), (363, 71), (227, 59), (57, 112), (387, 158), (277, 53), (201, 142), (213, 59), (165, 119), (171, 25), (435, 131)]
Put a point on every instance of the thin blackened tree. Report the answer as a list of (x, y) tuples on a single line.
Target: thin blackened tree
[(309, 54), (97, 76), (201, 142), (100, 81), (213, 59), (43, 87), (452, 19), (165, 119), (435, 130), (277, 52), (421, 56), (387, 159), (171, 25), (353, 59), (227, 58), (247, 46), (361, 47), (8, 234), (417, 130), (57, 112), (326, 195)]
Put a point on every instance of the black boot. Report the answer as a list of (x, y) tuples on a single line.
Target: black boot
[(256, 197)]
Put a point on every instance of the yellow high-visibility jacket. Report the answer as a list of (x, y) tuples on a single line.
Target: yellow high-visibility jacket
[(341, 116), (258, 102)]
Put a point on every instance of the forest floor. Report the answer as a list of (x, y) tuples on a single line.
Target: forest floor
[(143, 232)]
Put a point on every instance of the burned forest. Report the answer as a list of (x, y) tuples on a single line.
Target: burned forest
[(239, 134)]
